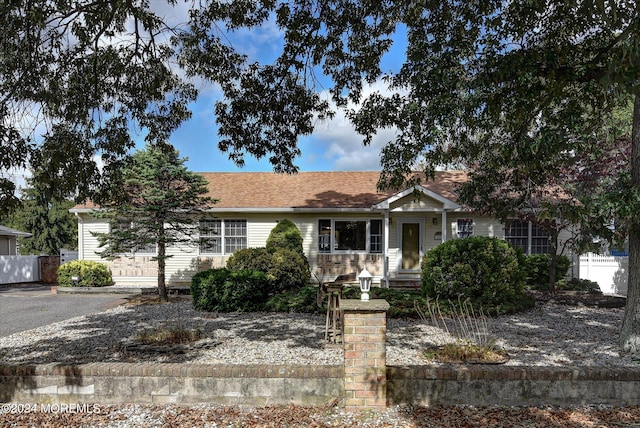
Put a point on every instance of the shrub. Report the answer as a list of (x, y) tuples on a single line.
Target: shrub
[(251, 258), (303, 299), (289, 270), (89, 273), (286, 268), (537, 268), (577, 284), (224, 290), (402, 303), (285, 235), (488, 271)]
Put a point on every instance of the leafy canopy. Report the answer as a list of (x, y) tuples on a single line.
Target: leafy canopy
[(529, 80)]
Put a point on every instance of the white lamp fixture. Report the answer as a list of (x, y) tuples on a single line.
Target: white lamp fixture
[(365, 279)]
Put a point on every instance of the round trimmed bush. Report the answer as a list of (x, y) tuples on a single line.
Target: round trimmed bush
[(285, 235), (289, 270), (487, 271), (89, 273)]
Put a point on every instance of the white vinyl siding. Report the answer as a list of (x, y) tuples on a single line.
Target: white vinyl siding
[(90, 243), (409, 203)]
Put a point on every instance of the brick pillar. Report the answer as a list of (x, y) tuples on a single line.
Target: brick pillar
[(365, 354)]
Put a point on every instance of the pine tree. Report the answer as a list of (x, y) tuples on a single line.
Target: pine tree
[(159, 207)]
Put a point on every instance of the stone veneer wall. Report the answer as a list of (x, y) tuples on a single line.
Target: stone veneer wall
[(136, 266), (105, 383), (331, 265)]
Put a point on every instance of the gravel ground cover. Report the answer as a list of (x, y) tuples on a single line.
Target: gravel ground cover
[(552, 334)]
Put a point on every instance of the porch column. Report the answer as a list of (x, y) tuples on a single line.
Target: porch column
[(385, 251), (444, 225)]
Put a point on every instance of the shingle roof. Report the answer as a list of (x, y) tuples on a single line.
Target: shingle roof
[(331, 189), (349, 189)]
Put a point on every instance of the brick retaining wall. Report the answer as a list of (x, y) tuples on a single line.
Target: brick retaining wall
[(513, 386), (170, 383), (314, 385)]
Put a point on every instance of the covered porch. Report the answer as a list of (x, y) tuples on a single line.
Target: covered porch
[(415, 221)]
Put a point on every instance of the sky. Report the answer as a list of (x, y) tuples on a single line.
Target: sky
[(334, 145)]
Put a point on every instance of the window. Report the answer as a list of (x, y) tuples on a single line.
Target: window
[(529, 237), (539, 240), (222, 236), (235, 235), (517, 234), (464, 227), (324, 238), (350, 236), (375, 234), (149, 249), (210, 236)]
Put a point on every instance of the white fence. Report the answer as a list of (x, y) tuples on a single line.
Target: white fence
[(610, 272), (16, 269)]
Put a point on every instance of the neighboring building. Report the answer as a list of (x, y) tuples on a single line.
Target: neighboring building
[(345, 223), (9, 240)]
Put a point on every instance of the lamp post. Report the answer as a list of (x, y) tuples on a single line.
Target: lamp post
[(365, 279)]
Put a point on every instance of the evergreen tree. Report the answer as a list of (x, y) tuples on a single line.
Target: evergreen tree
[(159, 207), (48, 220)]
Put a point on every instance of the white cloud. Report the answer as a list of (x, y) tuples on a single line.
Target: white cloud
[(344, 146), (263, 43)]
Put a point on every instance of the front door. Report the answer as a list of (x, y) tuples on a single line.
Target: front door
[(410, 245)]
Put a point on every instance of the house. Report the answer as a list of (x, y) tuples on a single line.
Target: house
[(346, 224), (9, 240)]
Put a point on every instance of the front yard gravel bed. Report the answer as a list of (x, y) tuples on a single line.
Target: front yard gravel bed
[(548, 335)]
